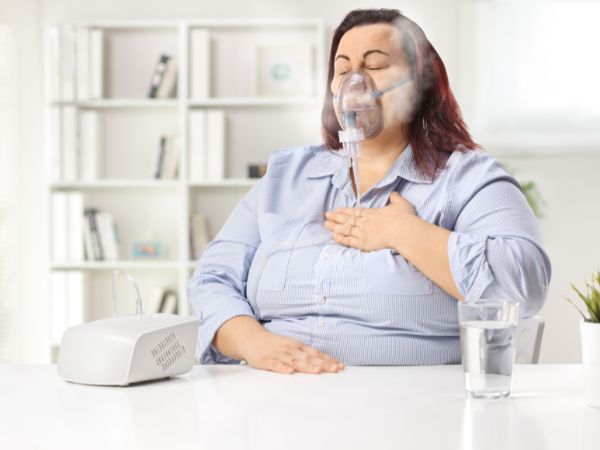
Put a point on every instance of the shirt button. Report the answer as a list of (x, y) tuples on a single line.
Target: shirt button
[(326, 255), (321, 300), (321, 323)]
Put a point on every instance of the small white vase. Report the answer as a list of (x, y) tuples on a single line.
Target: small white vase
[(590, 355)]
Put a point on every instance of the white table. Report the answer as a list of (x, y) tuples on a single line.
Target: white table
[(237, 407)]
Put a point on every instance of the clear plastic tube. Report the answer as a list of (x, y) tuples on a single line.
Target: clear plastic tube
[(353, 151)]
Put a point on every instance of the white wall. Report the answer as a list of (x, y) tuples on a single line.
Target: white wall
[(568, 184)]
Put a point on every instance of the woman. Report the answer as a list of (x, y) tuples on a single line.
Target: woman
[(299, 279)]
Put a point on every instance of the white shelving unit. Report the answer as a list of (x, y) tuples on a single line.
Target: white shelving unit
[(126, 187)]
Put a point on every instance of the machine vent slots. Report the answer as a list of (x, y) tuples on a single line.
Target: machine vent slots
[(168, 351)]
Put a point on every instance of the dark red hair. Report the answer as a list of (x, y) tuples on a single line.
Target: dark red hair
[(436, 127)]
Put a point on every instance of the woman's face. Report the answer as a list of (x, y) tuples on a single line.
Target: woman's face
[(377, 49)]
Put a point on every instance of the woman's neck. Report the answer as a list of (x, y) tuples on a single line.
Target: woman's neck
[(382, 151)]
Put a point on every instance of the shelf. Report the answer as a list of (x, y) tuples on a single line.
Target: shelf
[(254, 101), (120, 129), (192, 103), (114, 265), (253, 23), (114, 184), (203, 23), (231, 182), (114, 103)]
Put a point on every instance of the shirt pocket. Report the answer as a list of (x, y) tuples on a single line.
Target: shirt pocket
[(387, 272), (279, 234)]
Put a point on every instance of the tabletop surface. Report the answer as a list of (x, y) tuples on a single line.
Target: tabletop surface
[(238, 407)]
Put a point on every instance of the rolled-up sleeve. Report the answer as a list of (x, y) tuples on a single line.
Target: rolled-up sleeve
[(217, 290), (495, 249)]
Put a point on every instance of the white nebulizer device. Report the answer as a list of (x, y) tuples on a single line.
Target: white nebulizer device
[(360, 115), (122, 350)]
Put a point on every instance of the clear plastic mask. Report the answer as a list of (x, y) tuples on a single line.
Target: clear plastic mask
[(358, 103), (357, 107)]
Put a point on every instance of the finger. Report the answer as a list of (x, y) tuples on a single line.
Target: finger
[(347, 240), (326, 364), (303, 366), (319, 354), (345, 211), (343, 228), (336, 217), (329, 225), (279, 366)]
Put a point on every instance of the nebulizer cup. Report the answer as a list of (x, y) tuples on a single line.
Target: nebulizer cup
[(360, 115)]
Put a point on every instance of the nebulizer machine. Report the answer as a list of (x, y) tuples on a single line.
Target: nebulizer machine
[(360, 114), (126, 349)]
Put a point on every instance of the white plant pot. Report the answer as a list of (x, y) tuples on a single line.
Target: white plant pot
[(590, 353)]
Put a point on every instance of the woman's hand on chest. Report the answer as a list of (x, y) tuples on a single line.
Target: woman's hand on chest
[(370, 229)]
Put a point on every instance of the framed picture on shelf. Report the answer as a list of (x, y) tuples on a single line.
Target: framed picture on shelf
[(284, 70)]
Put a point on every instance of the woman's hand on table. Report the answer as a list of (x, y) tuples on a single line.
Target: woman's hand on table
[(270, 351), (370, 229)]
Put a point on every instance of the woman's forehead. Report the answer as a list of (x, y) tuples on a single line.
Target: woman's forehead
[(379, 36)]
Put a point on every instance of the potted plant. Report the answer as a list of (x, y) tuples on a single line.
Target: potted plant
[(590, 339)]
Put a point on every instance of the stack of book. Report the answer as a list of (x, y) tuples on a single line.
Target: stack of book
[(167, 164), (76, 66), (80, 233), (207, 145), (163, 83), (100, 236), (75, 144), (67, 227), (76, 63), (165, 301)]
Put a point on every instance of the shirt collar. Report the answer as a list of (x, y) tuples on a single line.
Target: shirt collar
[(331, 162)]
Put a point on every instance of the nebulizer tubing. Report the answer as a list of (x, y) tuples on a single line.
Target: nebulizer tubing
[(138, 298), (351, 138)]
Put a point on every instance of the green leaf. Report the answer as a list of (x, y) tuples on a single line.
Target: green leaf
[(591, 298)]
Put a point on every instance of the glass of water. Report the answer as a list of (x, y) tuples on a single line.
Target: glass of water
[(487, 339)]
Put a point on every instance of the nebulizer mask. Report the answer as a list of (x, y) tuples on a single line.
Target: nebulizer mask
[(360, 114)]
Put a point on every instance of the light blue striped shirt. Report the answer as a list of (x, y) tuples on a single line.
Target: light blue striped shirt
[(274, 260)]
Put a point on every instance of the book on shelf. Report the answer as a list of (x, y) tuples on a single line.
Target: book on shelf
[(82, 63), (70, 149), (68, 63), (199, 234), (167, 163), (200, 63), (54, 65), (163, 82), (67, 227), (100, 236), (75, 63), (75, 144), (164, 300), (207, 145), (69, 307), (89, 144), (168, 302), (55, 153)]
